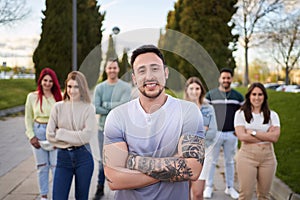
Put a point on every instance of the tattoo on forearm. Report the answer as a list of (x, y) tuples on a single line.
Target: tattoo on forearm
[(166, 169), (130, 161), (170, 169), (193, 147)]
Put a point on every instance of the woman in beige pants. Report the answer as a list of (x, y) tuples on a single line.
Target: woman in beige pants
[(257, 127)]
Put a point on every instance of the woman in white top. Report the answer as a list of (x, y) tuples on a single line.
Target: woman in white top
[(71, 125), (257, 127), (195, 92)]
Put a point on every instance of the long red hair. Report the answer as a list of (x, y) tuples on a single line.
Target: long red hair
[(55, 88)]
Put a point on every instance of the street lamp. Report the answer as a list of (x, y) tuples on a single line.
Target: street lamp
[(74, 38), (116, 30)]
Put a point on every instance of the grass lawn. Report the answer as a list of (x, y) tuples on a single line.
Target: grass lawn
[(14, 92), (287, 149)]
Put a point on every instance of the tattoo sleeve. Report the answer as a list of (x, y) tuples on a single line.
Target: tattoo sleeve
[(193, 146), (170, 169)]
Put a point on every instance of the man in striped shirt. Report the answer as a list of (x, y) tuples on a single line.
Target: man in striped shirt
[(226, 101)]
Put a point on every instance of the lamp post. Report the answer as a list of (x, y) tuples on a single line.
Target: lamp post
[(74, 39), (115, 31)]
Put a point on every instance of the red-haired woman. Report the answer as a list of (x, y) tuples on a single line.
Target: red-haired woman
[(37, 111)]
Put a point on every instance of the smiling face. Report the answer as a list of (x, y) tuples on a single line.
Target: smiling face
[(225, 80), (257, 98), (73, 90), (149, 74), (112, 70), (194, 91), (47, 83)]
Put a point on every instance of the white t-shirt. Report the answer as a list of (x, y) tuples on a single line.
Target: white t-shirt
[(154, 135), (256, 122)]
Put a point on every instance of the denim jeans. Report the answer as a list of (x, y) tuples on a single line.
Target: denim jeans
[(79, 163), (228, 141), (45, 160), (101, 176)]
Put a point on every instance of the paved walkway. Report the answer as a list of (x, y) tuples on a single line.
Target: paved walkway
[(18, 178)]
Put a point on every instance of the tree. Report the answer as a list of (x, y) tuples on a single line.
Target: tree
[(285, 38), (259, 71), (207, 23), (110, 54), (12, 11), (250, 21), (55, 46), (125, 67)]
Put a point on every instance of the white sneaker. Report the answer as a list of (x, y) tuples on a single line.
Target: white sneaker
[(232, 192), (207, 192)]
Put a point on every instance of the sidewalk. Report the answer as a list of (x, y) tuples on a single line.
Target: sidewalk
[(18, 179)]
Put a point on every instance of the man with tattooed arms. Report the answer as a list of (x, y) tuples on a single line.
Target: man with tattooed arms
[(153, 144)]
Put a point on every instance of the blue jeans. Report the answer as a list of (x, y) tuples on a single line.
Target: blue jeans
[(79, 163), (101, 176), (45, 160), (228, 141)]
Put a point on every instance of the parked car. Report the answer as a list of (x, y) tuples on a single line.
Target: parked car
[(296, 90), (287, 88), (272, 86)]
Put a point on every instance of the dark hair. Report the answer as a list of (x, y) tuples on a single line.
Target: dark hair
[(149, 48), (112, 60), (82, 84), (247, 108), (226, 70), (198, 82), (55, 90)]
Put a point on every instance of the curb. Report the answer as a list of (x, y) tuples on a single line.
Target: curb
[(280, 190), (12, 110)]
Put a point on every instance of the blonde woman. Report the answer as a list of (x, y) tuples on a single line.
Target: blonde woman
[(71, 125), (195, 92)]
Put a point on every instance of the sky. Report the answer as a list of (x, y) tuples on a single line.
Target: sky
[(18, 41)]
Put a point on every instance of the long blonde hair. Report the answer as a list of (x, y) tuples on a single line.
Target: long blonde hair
[(82, 84)]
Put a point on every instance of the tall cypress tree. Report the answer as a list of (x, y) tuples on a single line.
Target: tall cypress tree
[(125, 67), (206, 22), (110, 54), (55, 46)]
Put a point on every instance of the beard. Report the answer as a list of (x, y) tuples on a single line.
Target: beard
[(226, 85), (152, 96)]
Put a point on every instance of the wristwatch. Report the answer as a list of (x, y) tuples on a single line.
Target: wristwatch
[(253, 133)]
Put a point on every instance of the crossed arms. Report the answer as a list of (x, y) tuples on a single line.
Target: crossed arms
[(127, 171)]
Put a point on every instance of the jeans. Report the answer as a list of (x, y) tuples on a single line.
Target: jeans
[(256, 164), (45, 160), (228, 141), (101, 176), (79, 163)]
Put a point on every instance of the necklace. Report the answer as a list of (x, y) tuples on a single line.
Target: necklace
[(225, 95)]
